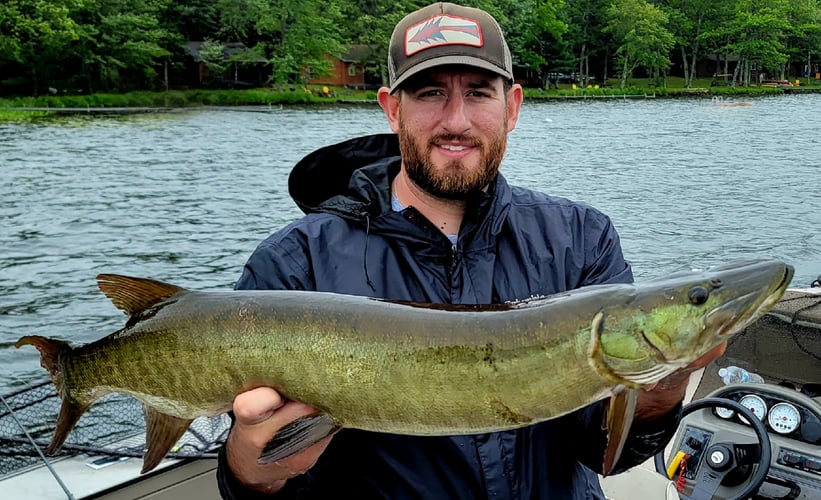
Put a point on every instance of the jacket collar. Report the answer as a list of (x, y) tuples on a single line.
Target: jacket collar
[(352, 179)]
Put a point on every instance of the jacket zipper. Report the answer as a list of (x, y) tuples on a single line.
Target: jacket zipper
[(454, 256)]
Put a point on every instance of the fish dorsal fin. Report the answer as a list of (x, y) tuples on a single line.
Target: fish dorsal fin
[(161, 433), (134, 295)]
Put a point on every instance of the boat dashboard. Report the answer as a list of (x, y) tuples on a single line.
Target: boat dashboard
[(784, 349), (788, 416), (792, 419)]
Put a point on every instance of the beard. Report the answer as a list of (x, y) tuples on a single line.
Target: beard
[(454, 180)]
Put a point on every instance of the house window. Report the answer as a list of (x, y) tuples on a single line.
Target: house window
[(352, 70)]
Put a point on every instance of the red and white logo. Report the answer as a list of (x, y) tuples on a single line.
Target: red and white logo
[(442, 30)]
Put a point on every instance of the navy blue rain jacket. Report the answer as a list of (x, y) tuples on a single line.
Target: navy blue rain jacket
[(513, 244)]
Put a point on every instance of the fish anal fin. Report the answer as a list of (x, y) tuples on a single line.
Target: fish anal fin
[(70, 413), (161, 433), (620, 412), (134, 295), (297, 436)]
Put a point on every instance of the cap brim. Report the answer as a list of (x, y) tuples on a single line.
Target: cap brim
[(473, 62)]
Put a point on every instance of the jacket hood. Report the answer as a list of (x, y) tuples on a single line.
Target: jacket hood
[(335, 178)]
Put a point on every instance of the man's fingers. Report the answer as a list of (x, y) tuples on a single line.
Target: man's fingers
[(260, 413), (291, 411), (257, 405), (709, 357)]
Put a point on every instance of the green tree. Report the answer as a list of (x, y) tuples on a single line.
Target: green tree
[(193, 20), (532, 28), (212, 55), (756, 35), (122, 44), (33, 37), (95, 45), (640, 30), (237, 19), (803, 42), (689, 19), (587, 41), (371, 22), (300, 35)]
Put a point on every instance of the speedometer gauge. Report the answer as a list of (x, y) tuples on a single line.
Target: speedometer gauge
[(784, 418), (755, 405)]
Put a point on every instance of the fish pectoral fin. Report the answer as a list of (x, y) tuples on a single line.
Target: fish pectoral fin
[(649, 376), (161, 433), (620, 413), (297, 436)]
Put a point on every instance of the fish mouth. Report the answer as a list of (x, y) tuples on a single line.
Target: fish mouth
[(730, 317), (736, 314)]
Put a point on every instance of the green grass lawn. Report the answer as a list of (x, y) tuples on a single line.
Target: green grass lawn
[(316, 94)]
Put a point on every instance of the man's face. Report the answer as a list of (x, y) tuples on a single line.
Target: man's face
[(452, 128)]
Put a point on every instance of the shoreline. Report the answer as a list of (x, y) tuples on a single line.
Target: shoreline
[(178, 101)]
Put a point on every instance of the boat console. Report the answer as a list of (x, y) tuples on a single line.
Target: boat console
[(784, 347)]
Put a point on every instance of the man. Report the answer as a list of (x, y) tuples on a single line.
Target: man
[(424, 215)]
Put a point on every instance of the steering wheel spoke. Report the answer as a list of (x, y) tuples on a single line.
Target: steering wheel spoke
[(707, 483), (747, 454)]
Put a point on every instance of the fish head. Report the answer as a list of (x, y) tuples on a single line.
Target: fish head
[(667, 323)]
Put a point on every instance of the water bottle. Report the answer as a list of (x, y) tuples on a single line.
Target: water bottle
[(737, 375)]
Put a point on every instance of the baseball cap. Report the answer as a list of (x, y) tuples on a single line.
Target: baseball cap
[(445, 33)]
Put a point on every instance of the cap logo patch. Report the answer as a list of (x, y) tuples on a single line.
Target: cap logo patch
[(442, 30)]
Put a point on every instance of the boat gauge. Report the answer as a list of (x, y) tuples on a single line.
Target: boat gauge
[(784, 418), (724, 412), (755, 404)]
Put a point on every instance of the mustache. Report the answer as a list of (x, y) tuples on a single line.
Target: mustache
[(462, 138)]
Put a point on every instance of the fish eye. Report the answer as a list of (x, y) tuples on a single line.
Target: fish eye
[(698, 295)]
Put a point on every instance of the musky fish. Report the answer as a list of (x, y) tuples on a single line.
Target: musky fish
[(397, 367)]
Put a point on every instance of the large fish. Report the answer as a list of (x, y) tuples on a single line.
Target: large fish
[(397, 367)]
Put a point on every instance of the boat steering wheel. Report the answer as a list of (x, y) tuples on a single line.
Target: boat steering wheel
[(722, 458)]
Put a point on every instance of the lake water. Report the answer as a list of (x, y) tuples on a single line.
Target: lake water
[(186, 196)]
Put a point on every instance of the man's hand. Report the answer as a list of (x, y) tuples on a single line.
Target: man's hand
[(259, 414), (656, 402)]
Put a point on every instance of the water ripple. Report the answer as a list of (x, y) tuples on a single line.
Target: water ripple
[(185, 197)]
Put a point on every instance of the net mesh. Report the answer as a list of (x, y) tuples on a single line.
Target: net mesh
[(112, 427)]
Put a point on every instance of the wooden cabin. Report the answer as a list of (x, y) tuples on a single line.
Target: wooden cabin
[(352, 69)]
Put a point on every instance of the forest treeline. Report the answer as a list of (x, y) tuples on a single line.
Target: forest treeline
[(119, 45)]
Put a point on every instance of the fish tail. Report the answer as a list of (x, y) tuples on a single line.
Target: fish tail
[(50, 350), (70, 409)]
